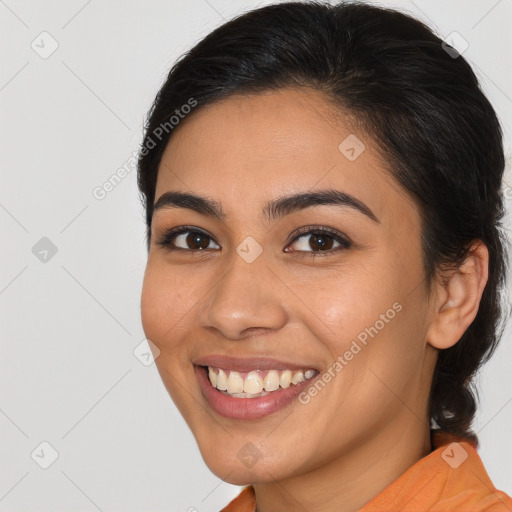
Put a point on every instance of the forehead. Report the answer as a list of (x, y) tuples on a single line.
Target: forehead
[(262, 146)]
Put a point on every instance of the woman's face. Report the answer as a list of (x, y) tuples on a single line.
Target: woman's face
[(261, 293)]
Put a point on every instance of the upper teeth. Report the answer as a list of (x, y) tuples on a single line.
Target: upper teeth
[(256, 381)]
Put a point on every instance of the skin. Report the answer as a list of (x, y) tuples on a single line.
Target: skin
[(370, 423)]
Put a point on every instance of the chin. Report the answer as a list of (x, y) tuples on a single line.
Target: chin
[(245, 467)]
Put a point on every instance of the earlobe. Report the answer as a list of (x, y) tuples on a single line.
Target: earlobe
[(458, 298)]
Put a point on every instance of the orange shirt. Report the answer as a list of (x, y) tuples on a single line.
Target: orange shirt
[(451, 478)]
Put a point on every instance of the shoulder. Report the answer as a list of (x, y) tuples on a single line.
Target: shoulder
[(452, 478)]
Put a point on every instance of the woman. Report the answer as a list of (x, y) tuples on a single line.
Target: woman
[(323, 208)]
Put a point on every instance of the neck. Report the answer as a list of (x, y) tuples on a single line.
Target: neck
[(352, 479)]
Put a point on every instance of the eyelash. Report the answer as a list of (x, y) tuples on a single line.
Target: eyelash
[(169, 236)]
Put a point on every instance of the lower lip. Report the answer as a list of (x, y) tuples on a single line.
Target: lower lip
[(247, 408)]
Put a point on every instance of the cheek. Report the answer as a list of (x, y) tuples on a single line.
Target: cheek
[(348, 303), (161, 305), (150, 306), (370, 318), (163, 319)]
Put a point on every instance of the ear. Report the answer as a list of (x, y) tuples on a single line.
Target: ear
[(458, 298)]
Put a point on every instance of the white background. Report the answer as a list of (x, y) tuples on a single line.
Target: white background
[(68, 375)]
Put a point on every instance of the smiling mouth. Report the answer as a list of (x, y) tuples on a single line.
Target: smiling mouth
[(255, 383)]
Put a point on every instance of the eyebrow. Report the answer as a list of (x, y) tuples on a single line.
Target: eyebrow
[(273, 210)]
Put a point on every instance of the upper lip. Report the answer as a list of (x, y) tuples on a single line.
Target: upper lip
[(244, 364)]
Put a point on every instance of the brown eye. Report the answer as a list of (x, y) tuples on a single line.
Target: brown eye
[(187, 240), (319, 240), (196, 240)]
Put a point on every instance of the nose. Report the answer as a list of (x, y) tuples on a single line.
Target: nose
[(248, 298)]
